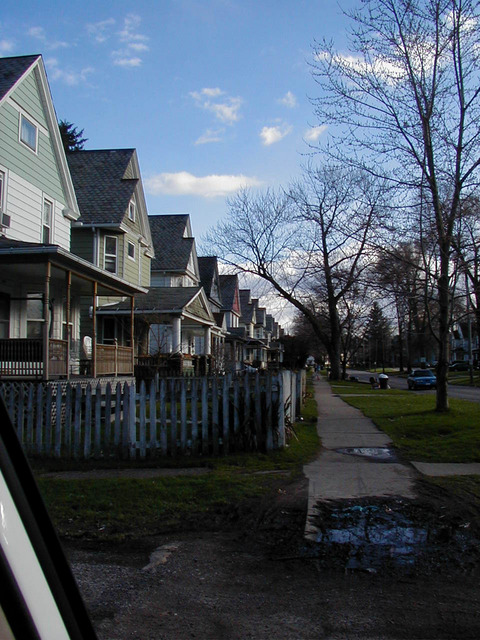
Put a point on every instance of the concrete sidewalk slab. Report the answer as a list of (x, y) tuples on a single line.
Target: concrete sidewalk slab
[(448, 468), (335, 475)]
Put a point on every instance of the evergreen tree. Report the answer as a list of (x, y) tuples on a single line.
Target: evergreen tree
[(71, 137)]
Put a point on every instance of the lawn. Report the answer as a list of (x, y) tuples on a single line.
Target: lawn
[(417, 430), (116, 510)]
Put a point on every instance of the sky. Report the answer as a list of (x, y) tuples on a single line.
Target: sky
[(214, 95)]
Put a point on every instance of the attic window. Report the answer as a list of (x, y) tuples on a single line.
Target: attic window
[(132, 210), (28, 133)]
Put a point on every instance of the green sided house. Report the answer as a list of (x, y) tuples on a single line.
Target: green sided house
[(44, 283), (113, 233)]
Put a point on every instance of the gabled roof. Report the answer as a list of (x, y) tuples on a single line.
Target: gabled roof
[(172, 242), (208, 268), (269, 322), (12, 73), (165, 300), (229, 292), (12, 70), (247, 308), (101, 184)]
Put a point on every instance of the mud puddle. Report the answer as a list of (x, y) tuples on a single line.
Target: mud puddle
[(380, 534), (374, 454)]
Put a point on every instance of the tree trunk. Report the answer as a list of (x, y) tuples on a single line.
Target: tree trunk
[(444, 315)]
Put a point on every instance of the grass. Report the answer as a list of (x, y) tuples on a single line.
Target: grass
[(418, 431), (118, 510)]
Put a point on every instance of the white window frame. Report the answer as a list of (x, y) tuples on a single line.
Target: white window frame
[(20, 133), (132, 210), (131, 244), (4, 218), (110, 255), (40, 321), (49, 226)]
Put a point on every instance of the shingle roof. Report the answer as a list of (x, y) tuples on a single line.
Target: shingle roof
[(228, 286), (172, 249), (246, 306), (207, 266), (102, 184), (12, 69), (160, 300)]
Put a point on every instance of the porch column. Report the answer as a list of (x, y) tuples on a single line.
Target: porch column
[(176, 335), (67, 319), (94, 332), (46, 318), (208, 341), (132, 329)]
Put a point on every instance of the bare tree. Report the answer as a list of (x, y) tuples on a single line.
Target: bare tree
[(408, 105), (309, 244)]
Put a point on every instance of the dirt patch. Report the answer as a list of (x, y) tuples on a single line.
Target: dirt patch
[(253, 576)]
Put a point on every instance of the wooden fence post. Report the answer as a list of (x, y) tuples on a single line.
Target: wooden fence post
[(57, 451), (97, 448), (163, 417), (39, 421), (268, 412), (68, 420), (132, 420), (194, 415), (107, 445), (205, 447), (153, 419), (183, 416), (281, 412), (87, 445), (173, 417), (143, 420), (226, 414), (215, 416), (77, 423)]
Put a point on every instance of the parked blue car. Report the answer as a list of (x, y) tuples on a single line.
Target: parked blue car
[(422, 379)]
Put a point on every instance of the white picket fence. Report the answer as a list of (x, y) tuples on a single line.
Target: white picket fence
[(176, 416)]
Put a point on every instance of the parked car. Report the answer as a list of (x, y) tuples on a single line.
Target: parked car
[(422, 379), (459, 366)]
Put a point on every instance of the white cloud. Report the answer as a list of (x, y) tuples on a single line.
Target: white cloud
[(288, 100), (132, 43), (271, 135), (121, 60), (211, 135), (40, 34), (71, 78), (227, 110), (99, 29), (184, 183), (6, 46), (314, 133)]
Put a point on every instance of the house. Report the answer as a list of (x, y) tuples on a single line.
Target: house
[(112, 231), (176, 317), (44, 284), (210, 281), (235, 337)]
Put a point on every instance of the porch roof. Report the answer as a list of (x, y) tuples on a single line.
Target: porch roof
[(21, 256), (164, 301)]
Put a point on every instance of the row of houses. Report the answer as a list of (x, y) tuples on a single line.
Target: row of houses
[(90, 284)]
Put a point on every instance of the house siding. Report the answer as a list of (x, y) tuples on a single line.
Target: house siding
[(39, 169), (24, 203), (82, 245)]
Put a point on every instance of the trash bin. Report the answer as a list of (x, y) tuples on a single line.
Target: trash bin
[(383, 381)]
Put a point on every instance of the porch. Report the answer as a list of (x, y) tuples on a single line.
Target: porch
[(23, 358), (49, 302)]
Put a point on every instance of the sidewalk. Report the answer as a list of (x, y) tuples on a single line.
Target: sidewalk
[(337, 475)]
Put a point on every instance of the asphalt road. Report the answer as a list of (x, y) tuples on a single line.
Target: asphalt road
[(396, 382)]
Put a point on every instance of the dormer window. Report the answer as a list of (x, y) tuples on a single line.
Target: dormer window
[(28, 133), (132, 210)]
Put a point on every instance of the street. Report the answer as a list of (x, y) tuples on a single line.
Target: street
[(397, 382)]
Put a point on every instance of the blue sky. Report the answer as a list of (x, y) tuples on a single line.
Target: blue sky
[(213, 94)]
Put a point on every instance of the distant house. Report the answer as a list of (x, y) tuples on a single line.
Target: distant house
[(176, 315), (235, 338), (43, 283)]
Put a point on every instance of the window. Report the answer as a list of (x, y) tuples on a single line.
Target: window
[(35, 315), (131, 250), (4, 219), (110, 263), (47, 222), (4, 316), (132, 210), (28, 133)]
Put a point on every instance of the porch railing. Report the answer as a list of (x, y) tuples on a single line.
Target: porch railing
[(23, 358), (114, 360)]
